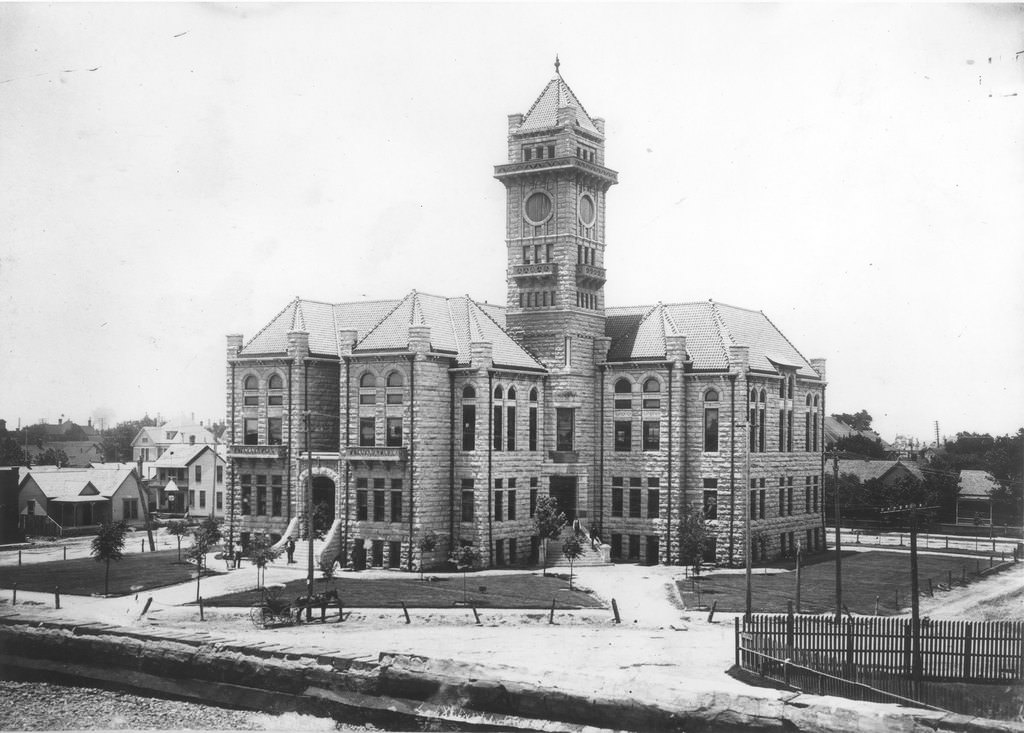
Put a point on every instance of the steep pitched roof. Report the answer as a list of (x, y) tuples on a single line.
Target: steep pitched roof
[(321, 321), (454, 324), (638, 332), (73, 482), (180, 456), (976, 484), (865, 469), (543, 113)]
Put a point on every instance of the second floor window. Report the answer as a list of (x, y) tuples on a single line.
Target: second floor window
[(652, 435), (274, 431), (623, 435), (623, 394), (250, 431), (394, 436), (275, 395), (564, 428), (367, 432), (468, 419)]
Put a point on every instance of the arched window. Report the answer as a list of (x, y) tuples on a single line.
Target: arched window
[(532, 427), (711, 421), (395, 381), (274, 386), (533, 394), (499, 393), (251, 397), (468, 418), (652, 394), (469, 392), (815, 400), (758, 418), (711, 395), (764, 396), (782, 388), (808, 400), (792, 386), (368, 389), (512, 393), (623, 394)]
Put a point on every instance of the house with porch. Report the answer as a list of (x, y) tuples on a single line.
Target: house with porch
[(72, 500)]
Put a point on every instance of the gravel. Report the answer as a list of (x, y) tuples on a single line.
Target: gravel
[(48, 706)]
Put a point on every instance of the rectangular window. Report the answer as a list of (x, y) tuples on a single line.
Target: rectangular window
[(220, 475), (815, 438), (789, 431), (275, 399), (526, 255), (499, 513), (568, 350), (510, 437), (760, 431), (533, 428), (789, 498), (782, 429), (807, 432), (652, 434), (511, 503), (634, 503), (368, 398), (653, 503), (220, 501), (710, 429), (533, 497), (202, 499), (469, 427), (761, 500), (499, 552), (261, 495), (752, 429), (199, 474), (274, 431), (394, 554), (710, 500), (782, 497), (623, 435), (513, 551), (129, 508), (362, 497), (367, 432), (814, 495), (496, 429), (396, 504), (394, 436), (467, 500), (616, 547), (616, 496), (807, 496), (250, 431), (246, 499), (564, 428), (275, 495), (378, 506)]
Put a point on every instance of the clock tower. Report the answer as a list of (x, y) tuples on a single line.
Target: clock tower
[(556, 183)]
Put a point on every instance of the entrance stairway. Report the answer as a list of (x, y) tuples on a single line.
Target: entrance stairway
[(594, 553)]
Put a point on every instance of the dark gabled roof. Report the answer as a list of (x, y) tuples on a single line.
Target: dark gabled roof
[(867, 469), (638, 332), (321, 321), (978, 484)]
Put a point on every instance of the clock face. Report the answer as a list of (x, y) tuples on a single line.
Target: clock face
[(537, 207), (587, 210)]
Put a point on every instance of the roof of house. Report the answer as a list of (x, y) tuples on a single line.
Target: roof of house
[(180, 456), (836, 429), (978, 484), (865, 469), (543, 114), (179, 433), (710, 328), (383, 326), (74, 482)]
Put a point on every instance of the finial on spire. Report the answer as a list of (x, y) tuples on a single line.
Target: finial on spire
[(557, 64)]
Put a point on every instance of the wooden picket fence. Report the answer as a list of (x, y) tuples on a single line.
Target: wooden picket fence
[(959, 651)]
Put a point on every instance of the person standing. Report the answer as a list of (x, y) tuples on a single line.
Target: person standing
[(289, 547)]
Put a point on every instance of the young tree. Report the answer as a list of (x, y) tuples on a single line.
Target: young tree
[(427, 543), (50, 457), (693, 538), (11, 454), (572, 548), (262, 551), (178, 528), (204, 537), (464, 558), (548, 521), (107, 545)]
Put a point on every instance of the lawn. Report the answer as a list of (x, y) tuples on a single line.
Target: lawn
[(519, 590), (136, 571), (865, 576)]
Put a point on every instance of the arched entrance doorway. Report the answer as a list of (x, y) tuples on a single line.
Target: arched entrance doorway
[(323, 504), (563, 490)]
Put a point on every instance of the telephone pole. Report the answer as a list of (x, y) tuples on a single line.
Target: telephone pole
[(914, 512), (839, 541)]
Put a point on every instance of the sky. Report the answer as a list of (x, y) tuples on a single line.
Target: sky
[(172, 173)]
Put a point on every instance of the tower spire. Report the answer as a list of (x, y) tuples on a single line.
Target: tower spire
[(557, 64)]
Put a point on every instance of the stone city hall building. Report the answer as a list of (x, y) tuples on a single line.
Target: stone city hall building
[(445, 414)]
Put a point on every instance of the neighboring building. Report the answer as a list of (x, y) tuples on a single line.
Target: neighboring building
[(188, 479), (150, 443), (73, 498), (974, 497), (888, 472), (450, 415), (9, 531), (82, 444), (836, 429)]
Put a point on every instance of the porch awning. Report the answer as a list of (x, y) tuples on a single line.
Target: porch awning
[(80, 499), (171, 487)]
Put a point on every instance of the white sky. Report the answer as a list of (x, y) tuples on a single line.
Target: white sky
[(844, 168)]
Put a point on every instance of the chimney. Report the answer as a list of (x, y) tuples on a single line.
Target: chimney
[(819, 366)]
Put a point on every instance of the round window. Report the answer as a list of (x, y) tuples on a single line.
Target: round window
[(537, 207), (587, 210)]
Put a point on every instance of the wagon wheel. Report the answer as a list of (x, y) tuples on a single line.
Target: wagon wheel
[(259, 615)]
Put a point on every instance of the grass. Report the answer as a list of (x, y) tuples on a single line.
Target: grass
[(865, 576), (488, 591), (134, 572)]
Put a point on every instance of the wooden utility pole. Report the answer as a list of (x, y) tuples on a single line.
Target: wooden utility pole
[(914, 511), (746, 528), (839, 541), (309, 510)]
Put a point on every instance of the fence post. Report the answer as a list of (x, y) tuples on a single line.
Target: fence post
[(19, 558), (849, 648), (56, 596), (968, 634), (551, 616), (406, 612), (14, 595), (789, 630), (202, 617), (711, 613), (950, 572), (65, 552), (615, 610), (476, 615), (876, 605), (907, 639), (931, 591), (143, 547), (785, 672), (736, 637)]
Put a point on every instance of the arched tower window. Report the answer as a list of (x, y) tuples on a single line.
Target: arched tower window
[(511, 394), (251, 396), (468, 417), (652, 394), (469, 392), (368, 389), (395, 383), (275, 385), (533, 394), (711, 421)]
